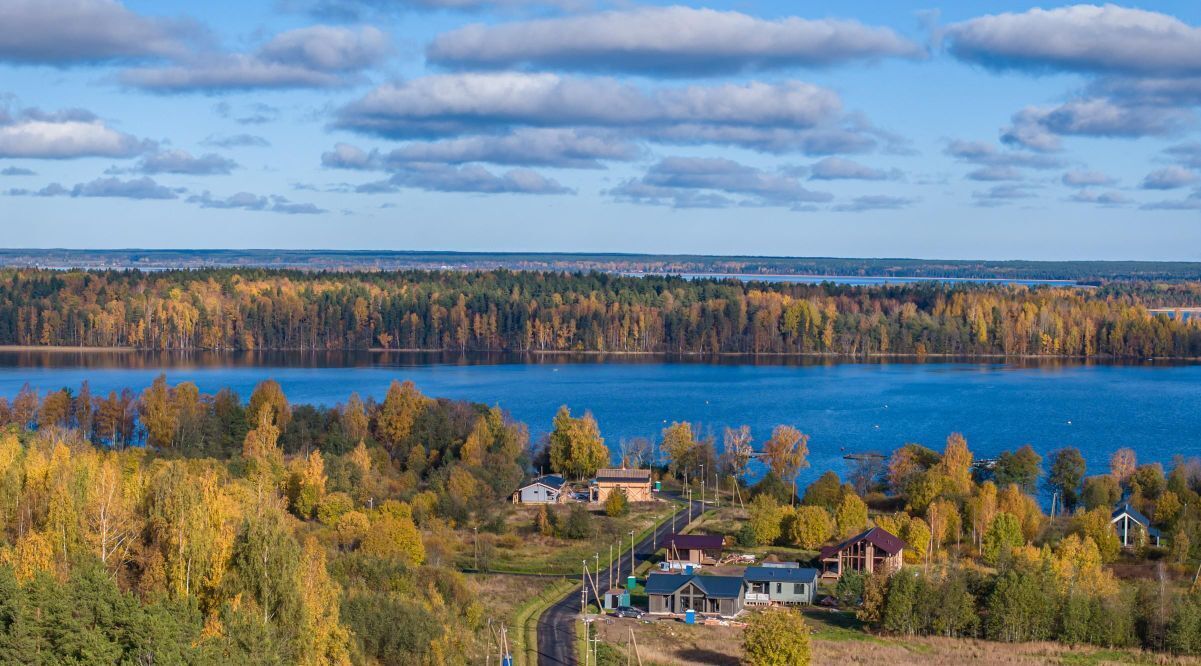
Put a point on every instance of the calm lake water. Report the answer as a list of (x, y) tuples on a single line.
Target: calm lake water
[(844, 407)]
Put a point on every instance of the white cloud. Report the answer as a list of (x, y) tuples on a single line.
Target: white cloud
[(674, 40), (65, 135), (68, 32)]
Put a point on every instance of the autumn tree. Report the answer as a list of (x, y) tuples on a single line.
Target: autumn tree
[(764, 522), (1022, 467), (851, 515), (616, 504), (786, 453), (322, 639), (736, 452), (269, 395), (1067, 471), (354, 418), (157, 412), (1003, 535), (678, 445), (1100, 491), (402, 405), (808, 527), (576, 447), (1122, 464), (776, 637), (956, 467)]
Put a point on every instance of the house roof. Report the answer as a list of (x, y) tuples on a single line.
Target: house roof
[(780, 574), (623, 476), (877, 536), (714, 587), (781, 565), (695, 541), (552, 481), (1132, 512)]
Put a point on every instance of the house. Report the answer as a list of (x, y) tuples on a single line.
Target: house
[(874, 550), (542, 490), (672, 594), (769, 585), (635, 482), (1129, 521), (699, 549)]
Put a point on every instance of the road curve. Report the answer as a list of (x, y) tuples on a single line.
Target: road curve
[(556, 625)]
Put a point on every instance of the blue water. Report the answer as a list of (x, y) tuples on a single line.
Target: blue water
[(844, 407)]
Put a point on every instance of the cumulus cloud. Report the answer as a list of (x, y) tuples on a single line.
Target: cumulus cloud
[(69, 32), (313, 57), (839, 168), (248, 201), (554, 147), (359, 10), (236, 141), (686, 182), (1000, 195), (987, 155), (874, 202), (674, 40), (1039, 128), (996, 173), (1084, 178), (1084, 38), (1169, 178), (137, 188), (35, 134), (777, 117), (1192, 202), (16, 171), (449, 104), (182, 162), (1099, 198), (1188, 154), (468, 178)]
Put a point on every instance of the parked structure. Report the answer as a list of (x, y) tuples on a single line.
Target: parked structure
[(876, 549), (635, 482), (780, 585), (1129, 521), (695, 549), (670, 594), (542, 490)]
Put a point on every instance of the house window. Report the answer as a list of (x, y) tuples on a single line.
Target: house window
[(798, 588), (779, 588)]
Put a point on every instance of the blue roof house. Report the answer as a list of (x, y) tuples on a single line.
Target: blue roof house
[(778, 585), (1129, 523)]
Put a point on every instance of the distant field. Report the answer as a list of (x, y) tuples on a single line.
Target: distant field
[(669, 643), (344, 260)]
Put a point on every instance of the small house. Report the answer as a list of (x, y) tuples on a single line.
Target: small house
[(542, 490), (769, 585), (635, 482), (697, 549), (674, 594), (1129, 522), (876, 549)]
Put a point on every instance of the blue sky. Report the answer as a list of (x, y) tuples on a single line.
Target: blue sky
[(971, 130)]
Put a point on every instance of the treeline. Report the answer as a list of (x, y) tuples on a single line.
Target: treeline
[(256, 533), (524, 312)]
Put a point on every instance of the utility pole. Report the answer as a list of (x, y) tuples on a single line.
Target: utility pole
[(704, 480), (584, 589), (631, 552), (476, 530)]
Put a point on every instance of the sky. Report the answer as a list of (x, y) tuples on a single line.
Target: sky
[(877, 128)]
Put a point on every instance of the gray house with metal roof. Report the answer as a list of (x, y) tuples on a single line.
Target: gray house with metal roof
[(542, 490), (1129, 521), (780, 585), (673, 594)]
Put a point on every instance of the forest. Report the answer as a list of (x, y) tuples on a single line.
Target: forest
[(176, 527), (502, 310)]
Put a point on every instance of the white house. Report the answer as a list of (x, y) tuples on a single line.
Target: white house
[(542, 490)]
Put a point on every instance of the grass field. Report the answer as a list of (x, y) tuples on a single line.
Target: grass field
[(837, 639), (521, 549)]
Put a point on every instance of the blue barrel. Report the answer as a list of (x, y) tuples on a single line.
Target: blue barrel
[(689, 616), (688, 569), (507, 660)]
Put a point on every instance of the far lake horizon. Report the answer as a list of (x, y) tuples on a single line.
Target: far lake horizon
[(845, 407)]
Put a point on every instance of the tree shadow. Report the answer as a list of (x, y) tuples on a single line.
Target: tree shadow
[(701, 656)]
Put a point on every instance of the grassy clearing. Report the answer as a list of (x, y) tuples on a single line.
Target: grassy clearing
[(521, 549)]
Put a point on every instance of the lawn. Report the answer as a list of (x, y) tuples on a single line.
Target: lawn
[(521, 548), (838, 639)]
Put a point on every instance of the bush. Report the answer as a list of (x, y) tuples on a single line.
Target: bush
[(776, 637), (578, 524), (616, 504), (332, 507)]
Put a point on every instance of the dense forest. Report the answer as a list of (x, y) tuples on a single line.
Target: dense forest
[(528, 311), (175, 527)]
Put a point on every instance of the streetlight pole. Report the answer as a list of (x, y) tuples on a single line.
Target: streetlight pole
[(476, 531), (631, 552), (704, 480)]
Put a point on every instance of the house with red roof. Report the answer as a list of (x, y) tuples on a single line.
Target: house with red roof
[(876, 549)]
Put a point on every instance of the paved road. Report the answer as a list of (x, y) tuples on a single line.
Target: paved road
[(557, 624)]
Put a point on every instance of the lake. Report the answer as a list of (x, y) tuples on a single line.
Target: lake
[(844, 407), (859, 280)]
